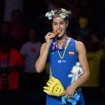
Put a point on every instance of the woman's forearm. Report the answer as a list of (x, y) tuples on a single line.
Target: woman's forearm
[(41, 62), (82, 79)]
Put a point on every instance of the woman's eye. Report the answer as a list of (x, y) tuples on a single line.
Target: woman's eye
[(61, 23), (55, 23)]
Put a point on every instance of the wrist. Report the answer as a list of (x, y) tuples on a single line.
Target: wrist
[(47, 47), (75, 85)]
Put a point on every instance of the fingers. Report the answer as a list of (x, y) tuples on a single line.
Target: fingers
[(68, 95), (49, 35), (49, 38)]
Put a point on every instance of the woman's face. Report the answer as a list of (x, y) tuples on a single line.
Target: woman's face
[(59, 24)]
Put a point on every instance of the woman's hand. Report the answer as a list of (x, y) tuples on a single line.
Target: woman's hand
[(69, 91), (49, 38)]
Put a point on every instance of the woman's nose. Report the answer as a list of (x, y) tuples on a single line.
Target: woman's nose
[(58, 26)]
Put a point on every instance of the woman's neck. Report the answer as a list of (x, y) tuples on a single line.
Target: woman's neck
[(61, 39), (61, 42)]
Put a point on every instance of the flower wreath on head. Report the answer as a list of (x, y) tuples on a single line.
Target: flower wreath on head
[(62, 13)]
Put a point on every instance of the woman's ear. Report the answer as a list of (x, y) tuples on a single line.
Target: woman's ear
[(67, 23)]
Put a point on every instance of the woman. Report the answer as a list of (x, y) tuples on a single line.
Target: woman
[(62, 53)]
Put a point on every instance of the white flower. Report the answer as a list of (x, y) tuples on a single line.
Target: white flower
[(46, 14), (52, 12), (49, 15), (63, 10), (63, 13)]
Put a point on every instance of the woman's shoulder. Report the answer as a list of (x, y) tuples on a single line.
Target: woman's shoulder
[(79, 45)]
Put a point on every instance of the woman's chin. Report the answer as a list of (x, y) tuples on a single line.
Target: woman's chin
[(59, 35)]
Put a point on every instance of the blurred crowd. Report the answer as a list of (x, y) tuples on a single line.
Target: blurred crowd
[(22, 29)]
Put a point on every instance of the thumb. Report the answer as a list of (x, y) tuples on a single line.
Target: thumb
[(66, 96)]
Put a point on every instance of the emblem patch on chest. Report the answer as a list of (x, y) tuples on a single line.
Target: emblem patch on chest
[(71, 52), (61, 61)]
